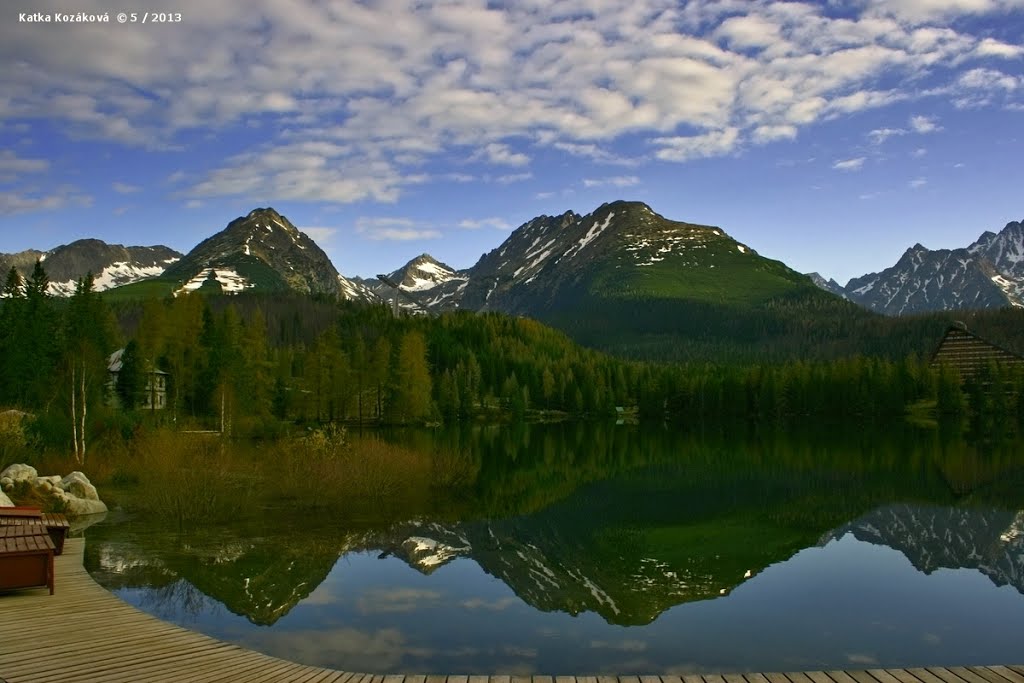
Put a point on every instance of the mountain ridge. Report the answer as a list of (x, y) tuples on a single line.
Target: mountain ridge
[(112, 265), (988, 273)]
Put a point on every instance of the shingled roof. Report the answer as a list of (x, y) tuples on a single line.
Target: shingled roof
[(969, 353)]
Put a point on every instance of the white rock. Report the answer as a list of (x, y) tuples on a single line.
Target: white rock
[(80, 506), (20, 473), (5, 502), (79, 485)]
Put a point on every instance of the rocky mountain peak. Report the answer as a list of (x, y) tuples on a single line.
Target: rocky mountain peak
[(261, 249), (424, 272)]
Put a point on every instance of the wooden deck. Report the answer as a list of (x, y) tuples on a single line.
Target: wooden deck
[(85, 633)]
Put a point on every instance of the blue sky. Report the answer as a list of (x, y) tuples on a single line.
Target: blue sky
[(831, 135)]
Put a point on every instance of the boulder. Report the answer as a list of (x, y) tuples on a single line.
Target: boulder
[(75, 506), (16, 473), (79, 485), (5, 502), (74, 494)]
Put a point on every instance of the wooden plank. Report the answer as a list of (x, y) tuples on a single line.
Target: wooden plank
[(862, 676), (799, 677), (566, 679), (819, 677), (903, 676), (432, 679), (945, 674), (622, 679), (967, 675), (924, 675), (883, 676), (536, 679), (991, 676), (755, 678), (650, 679), (775, 677), (1008, 673), (394, 678), (840, 676)]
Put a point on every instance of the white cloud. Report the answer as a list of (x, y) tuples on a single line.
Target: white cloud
[(394, 229), (545, 195), (373, 89), (11, 163), (321, 236), (880, 135), (919, 152), (194, 204), (849, 164), (917, 183), (924, 124), (25, 201), (920, 11), (682, 148), (125, 188), (988, 79), (989, 47), (614, 181), (510, 178), (765, 134), (594, 153), (493, 222), (498, 153)]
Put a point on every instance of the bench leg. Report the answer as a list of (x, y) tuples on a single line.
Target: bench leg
[(49, 569)]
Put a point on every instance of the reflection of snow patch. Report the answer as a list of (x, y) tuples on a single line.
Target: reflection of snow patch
[(1015, 530), (436, 552), (601, 596)]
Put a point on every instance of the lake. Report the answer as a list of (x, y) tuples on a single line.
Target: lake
[(621, 549)]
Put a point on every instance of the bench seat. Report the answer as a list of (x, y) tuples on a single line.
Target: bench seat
[(55, 524), (26, 558)]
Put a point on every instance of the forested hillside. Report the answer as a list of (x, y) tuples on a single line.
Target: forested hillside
[(254, 364)]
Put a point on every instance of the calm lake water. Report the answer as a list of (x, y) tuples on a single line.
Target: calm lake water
[(603, 549)]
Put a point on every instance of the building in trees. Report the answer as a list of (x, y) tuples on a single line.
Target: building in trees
[(970, 354), (132, 383)]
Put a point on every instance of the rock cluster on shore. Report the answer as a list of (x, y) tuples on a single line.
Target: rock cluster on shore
[(74, 494)]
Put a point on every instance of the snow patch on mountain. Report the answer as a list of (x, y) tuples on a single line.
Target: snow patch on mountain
[(595, 230), (228, 278), (114, 275)]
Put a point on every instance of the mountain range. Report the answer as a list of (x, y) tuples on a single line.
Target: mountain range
[(112, 265), (555, 268), (986, 274)]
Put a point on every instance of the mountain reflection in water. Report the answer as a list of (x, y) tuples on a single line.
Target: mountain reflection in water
[(593, 549)]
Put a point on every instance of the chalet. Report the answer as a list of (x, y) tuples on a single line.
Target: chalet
[(154, 395), (969, 353)]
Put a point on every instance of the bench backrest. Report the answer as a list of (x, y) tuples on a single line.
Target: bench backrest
[(21, 512)]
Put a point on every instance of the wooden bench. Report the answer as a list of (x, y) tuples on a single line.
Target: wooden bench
[(26, 557), (55, 524)]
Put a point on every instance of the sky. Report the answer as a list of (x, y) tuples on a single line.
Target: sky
[(831, 136)]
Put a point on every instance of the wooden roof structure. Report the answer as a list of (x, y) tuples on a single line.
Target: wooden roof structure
[(969, 353)]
